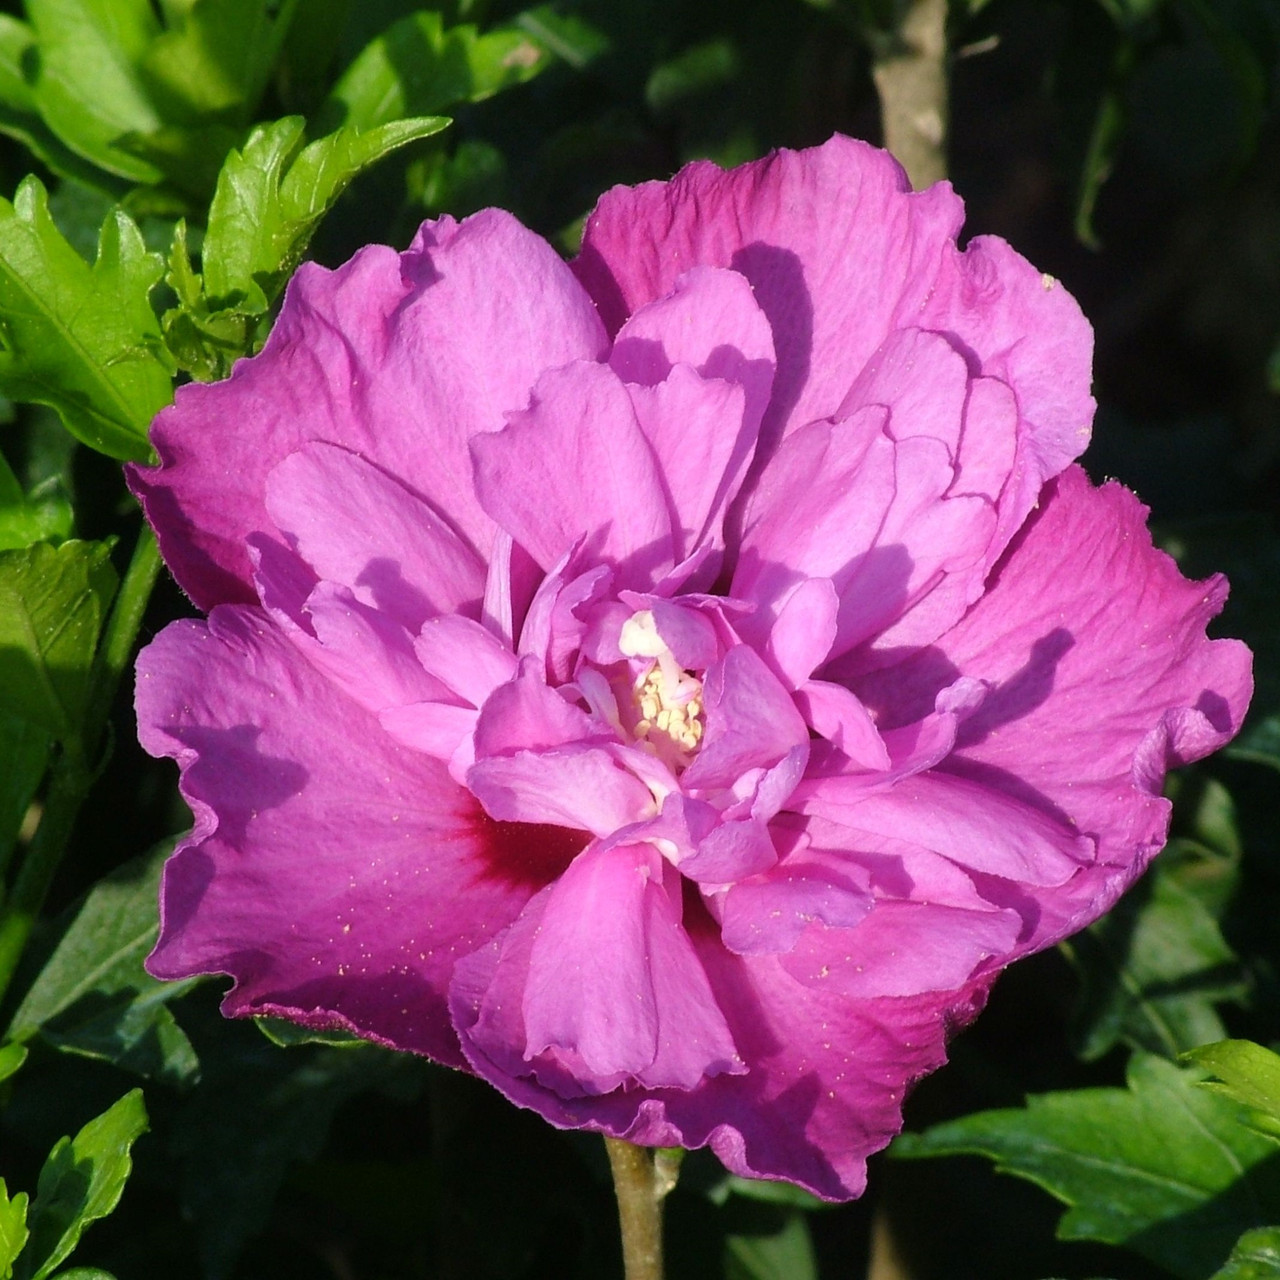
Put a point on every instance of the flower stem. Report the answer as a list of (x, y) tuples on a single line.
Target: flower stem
[(911, 78), (76, 766), (640, 1186)]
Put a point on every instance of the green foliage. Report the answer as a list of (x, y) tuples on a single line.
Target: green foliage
[(786, 1254), (1247, 1073), (12, 1056), (81, 1181), (418, 67), (83, 340), (13, 1228), (1255, 1257), (1164, 1166), (1154, 968), (93, 996), (52, 604)]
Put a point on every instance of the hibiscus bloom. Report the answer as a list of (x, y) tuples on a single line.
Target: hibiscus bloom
[(671, 686)]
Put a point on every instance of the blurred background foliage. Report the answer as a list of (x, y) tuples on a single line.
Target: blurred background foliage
[(1129, 147)]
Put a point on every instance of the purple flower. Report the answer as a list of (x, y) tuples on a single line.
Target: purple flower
[(671, 686)]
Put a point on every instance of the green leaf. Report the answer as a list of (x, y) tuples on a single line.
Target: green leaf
[(24, 756), (1153, 968), (566, 35), (418, 68), (52, 604), (94, 998), (288, 1034), (84, 1273), (24, 519), (83, 340), (12, 1056), (81, 1181), (88, 89), (1164, 1166), (785, 1255), (1255, 1257), (216, 58), (13, 1228), (1247, 1073), (271, 196), (20, 117)]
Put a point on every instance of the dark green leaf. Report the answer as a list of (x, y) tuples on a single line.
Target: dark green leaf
[(1255, 1257), (81, 1182), (766, 1191), (785, 1255), (24, 755), (1153, 968), (13, 1228), (94, 998), (88, 89), (83, 340), (1164, 1167), (52, 604), (272, 195), (418, 68)]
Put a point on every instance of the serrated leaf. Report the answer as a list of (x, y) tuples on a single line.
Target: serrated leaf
[(88, 88), (1246, 1072), (13, 1228), (417, 67), (82, 340), (271, 196), (94, 998), (52, 604), (12, 1056), (81, 1182), (1153, 968), (784, 1255), (1163, 1167), (1255, 1257)]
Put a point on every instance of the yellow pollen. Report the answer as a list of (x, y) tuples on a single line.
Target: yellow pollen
[(673, 712)]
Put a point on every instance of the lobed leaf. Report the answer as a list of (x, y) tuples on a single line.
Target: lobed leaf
[(273, 193), (82, 1181), (82, 340), (1163, 1167), (52, 604)]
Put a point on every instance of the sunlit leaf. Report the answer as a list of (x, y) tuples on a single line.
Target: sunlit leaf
[(83, 340), (417, 67), (272, 195), (1255, 1257), (13, 1228), (81, 1181), (1247, 1073)]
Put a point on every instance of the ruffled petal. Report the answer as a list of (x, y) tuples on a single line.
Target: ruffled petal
[(390, 356), (319, 856)]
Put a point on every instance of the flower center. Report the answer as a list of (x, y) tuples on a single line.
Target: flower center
[(667, 699)]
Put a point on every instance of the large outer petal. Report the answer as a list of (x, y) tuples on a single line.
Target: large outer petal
[(400, 358), (322, 849), (825, 1081), (840, 253), (1103, 678)]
